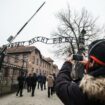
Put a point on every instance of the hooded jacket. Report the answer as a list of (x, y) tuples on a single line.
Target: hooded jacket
[(89, 91), (50, 80)]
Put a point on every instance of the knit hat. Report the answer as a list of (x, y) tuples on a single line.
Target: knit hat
[(97, 51)]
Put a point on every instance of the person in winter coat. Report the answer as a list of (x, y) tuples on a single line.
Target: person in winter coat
[(33, 83), (28, 82), (20, 80), (40, 81), (44, 81), (50, 80), (91, 89)]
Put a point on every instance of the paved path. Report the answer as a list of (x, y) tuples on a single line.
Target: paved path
[(40, 98)]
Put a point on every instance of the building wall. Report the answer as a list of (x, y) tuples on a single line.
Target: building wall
[(37, 64), (16, 59), (33, 60), (11, 67)]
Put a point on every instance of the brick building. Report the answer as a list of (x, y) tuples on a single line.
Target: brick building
[(32, 59)]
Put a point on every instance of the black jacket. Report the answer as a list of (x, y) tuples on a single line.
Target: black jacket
[(20, 80), (33, 80), (28, 80), (74, 93)]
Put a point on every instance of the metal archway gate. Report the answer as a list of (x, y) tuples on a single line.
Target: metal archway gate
[(41, 39)]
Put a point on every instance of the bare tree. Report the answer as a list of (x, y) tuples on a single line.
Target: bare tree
[(71, 25)]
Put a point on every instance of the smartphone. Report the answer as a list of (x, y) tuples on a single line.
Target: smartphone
[(77, 57)]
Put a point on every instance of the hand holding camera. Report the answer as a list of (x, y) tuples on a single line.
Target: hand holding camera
[(76, 57)]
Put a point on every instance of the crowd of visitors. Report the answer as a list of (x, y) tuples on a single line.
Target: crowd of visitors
[(33, 80)]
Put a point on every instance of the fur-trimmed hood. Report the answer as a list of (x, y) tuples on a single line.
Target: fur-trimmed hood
[(93, 87)]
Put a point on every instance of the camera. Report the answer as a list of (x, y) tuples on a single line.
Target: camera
[(77, 57)]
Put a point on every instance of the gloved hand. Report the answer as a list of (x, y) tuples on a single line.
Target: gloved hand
[(70, 59), (85, 60)]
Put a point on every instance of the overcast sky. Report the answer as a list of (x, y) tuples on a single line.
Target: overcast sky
[(14, 14)]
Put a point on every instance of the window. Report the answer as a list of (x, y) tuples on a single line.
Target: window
[(33, 59), (16, 58), (32, 70), (40, 62), (36, 70), (25, 57), (6, 72), (37, 61)]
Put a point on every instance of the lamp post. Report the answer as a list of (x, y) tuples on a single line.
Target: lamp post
[(82, 41)]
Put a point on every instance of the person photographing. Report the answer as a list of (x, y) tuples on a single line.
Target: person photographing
[(90, 90)]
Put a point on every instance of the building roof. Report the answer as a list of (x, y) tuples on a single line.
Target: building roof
[(55, 65), (21, 49), (49, 59)]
